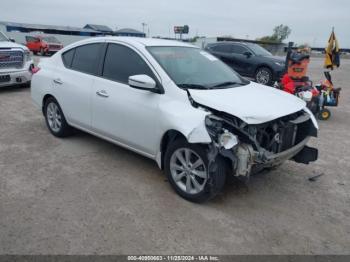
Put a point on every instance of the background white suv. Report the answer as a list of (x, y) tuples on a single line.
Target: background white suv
[(176, 104), (16, 63)]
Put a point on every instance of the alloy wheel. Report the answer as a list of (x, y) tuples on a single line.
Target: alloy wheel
[(54, 117), (263, 76), (188, 171)]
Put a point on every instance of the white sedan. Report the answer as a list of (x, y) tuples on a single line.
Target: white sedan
[(174, 103)]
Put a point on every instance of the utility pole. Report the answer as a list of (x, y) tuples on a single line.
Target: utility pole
[(143, 27)]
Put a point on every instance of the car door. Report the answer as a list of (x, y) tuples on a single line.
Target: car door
[(36, 44), (73, 83), (241, 62), (224, 53), (120, 112)]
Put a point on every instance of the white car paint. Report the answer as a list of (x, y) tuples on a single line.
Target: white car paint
[(138, 119)]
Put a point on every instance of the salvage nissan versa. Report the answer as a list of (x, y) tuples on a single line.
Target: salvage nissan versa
[(174, 103)]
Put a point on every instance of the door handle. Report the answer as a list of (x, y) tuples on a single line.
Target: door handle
[(102, 93), (58, 81)]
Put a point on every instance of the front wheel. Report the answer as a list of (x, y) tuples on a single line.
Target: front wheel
[(186, 166), (264, 76)]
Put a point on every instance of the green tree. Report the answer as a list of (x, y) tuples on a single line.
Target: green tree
[(280, 33)]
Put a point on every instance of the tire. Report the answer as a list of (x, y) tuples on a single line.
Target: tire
[(42, 52), (324, 114), (206, 188), (264, 76), (53, 116)]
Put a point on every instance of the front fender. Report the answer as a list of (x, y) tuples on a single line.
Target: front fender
[(186, 119)]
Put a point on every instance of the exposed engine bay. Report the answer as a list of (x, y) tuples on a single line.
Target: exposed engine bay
[(254, 147)]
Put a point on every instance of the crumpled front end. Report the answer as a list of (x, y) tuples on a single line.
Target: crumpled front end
[(256, 146)]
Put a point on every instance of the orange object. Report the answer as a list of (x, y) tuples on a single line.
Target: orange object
[(297, 70)]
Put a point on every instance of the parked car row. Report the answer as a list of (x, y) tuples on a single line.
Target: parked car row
[(178, 105)]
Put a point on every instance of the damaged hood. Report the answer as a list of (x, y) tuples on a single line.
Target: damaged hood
[(253, 103)]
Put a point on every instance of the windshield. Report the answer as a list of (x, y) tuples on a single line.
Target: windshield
[(258, 50), (3, 37), (191, 67), (50, 39)]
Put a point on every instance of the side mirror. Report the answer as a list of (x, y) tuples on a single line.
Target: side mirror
[(143, 82), (247, 54), (12, 40)]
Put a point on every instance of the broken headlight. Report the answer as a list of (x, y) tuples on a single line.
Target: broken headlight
[(228, 140), (220, 135)]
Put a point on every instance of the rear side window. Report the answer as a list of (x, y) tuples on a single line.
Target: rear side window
[(238, 49), (30, 39), (122, 62), (86, 58), (67, 58), (222, 48)]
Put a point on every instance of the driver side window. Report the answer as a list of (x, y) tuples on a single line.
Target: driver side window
[(122, 62)]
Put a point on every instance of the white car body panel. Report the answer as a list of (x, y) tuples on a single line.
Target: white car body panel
[(127, 115), (8, 44), (138, 119), (74, 96)]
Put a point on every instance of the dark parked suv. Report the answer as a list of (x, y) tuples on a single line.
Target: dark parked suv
[(249, 60)]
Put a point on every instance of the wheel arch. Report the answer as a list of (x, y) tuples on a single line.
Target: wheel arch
[(47, 96), (259, 66), (168, 137)]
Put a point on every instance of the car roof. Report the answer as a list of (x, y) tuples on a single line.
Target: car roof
[(229, 42), (41, 36), (140, 40)]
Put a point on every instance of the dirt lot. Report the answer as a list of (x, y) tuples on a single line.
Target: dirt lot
[(82, 195)]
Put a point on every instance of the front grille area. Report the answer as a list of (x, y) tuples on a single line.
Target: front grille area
[(275, 136), (11, 59), (281, 134)]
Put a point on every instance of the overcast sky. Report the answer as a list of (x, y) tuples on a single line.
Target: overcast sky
[(310, 20)]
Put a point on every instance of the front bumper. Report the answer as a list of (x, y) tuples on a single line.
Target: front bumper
[(17, 76), (250, 161), (292, 153)]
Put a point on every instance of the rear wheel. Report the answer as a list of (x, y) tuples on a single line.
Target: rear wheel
[(55, 120), (186, 166), (264, 76), (42, 51)]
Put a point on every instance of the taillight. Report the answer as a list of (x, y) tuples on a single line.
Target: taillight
[(35, 69)]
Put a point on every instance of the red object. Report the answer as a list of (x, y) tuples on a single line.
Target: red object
[(43, 44), (288, 84), (315, 92), (35, 70)]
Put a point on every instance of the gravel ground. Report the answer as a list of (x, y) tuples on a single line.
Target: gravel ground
[(82, 195)]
